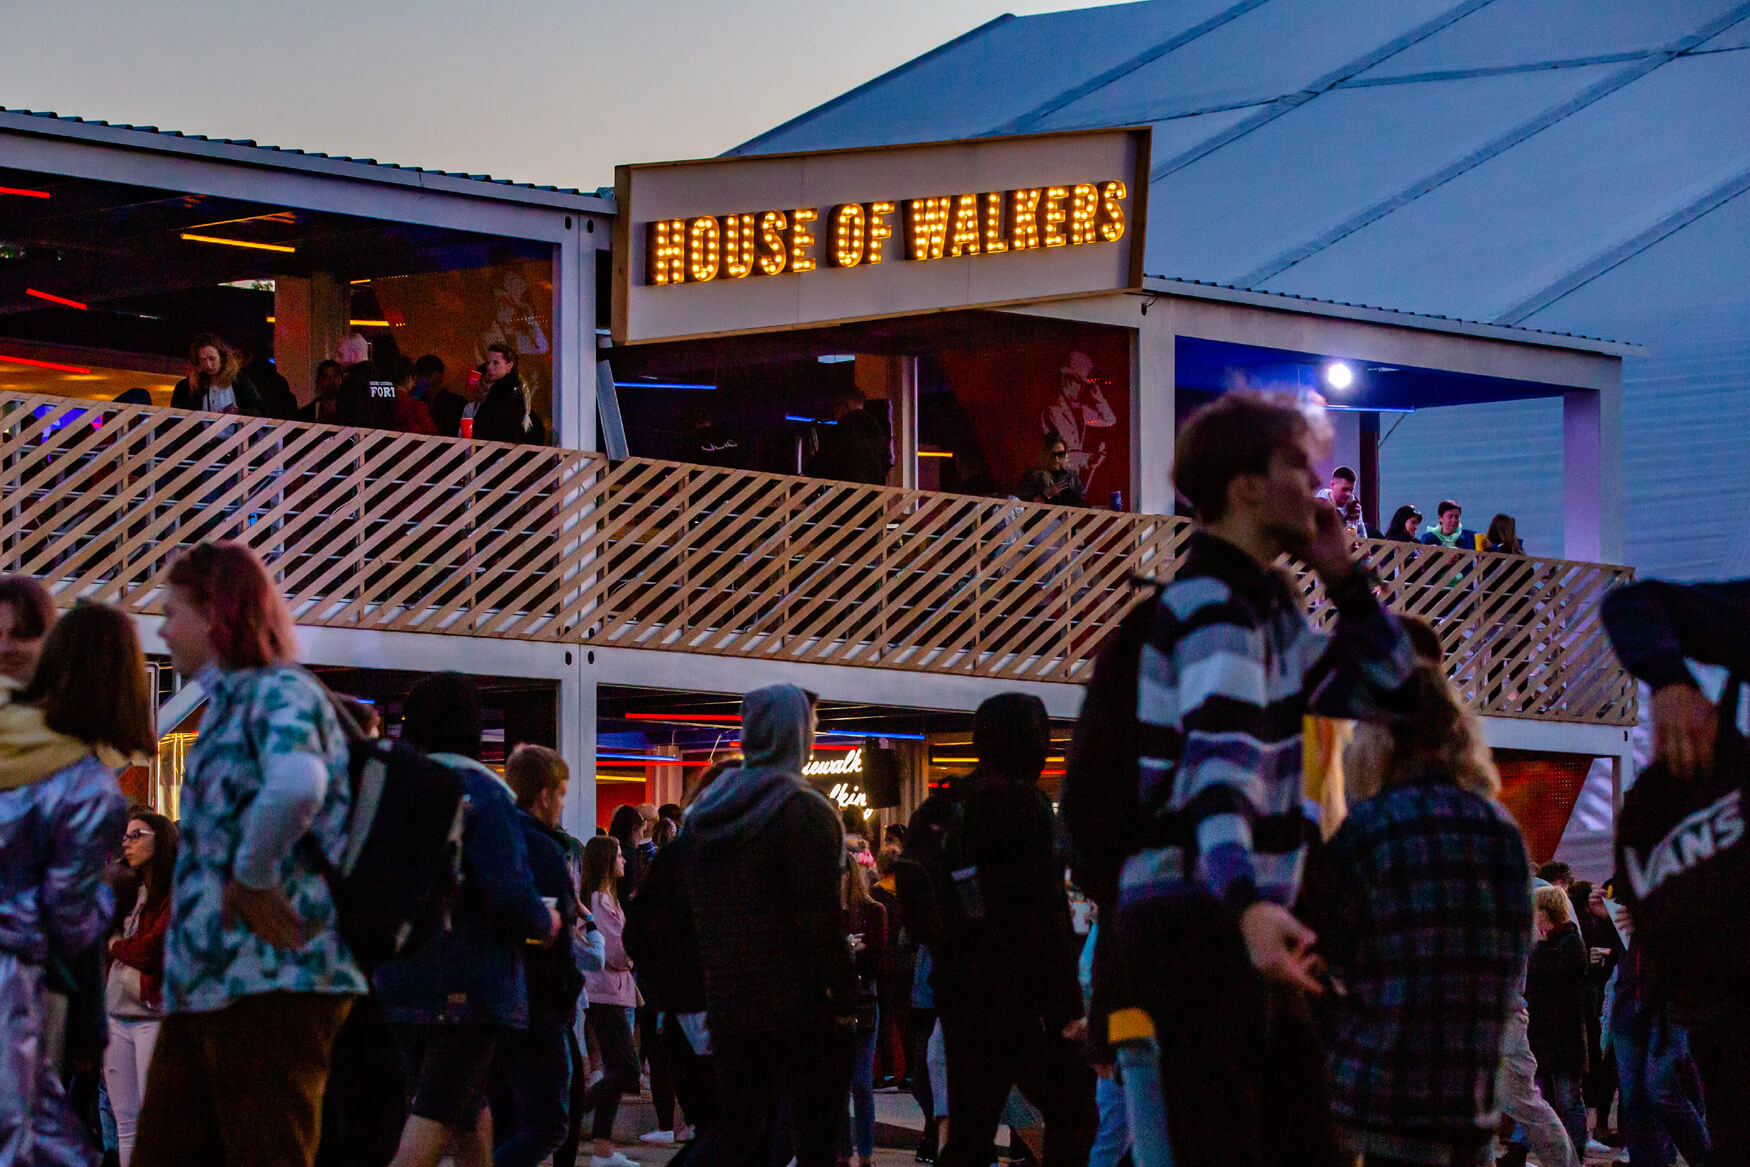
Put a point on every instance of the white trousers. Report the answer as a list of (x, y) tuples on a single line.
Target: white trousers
[(1520, 1100), (125, 1062)]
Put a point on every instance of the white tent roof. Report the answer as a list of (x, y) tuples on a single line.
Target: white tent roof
[(1567, 167)]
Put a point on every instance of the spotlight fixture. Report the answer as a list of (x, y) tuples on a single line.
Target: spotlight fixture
[(1338, 375)]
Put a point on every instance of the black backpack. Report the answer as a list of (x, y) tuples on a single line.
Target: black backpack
[(1100, 800), (394, 883), (1683, 871)]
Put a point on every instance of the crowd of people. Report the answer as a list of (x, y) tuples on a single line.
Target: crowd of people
[(380, 389), (1448, 530), (1276, 975)]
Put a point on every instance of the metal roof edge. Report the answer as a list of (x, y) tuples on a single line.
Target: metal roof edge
[(1427, 322), (247, 153), (858, 91)]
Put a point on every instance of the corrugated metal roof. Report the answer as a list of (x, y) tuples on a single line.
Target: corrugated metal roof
[(484, 185), (1567, 168)]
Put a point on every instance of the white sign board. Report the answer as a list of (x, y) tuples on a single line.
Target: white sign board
[(735, 245)]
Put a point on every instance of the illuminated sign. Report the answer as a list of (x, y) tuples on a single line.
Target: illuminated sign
[(851, 763), (745, 244), (737, 246)]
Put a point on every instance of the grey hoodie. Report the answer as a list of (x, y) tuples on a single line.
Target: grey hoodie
[(765, 882), (777, 734)]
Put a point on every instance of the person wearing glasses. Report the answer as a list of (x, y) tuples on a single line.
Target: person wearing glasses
[(135, 988), (1051, 480)]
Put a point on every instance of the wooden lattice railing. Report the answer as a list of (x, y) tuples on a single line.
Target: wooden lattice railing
[(395, 532)]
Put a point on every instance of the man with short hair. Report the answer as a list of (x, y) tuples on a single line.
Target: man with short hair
[(428, 386), (1203, 939), (325, 406), (853, 445), (502, 412), (1557, 874), (1450, 530), (539, 1065), (1341, 495)]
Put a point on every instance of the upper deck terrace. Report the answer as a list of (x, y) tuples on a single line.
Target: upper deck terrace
[(393, 532)]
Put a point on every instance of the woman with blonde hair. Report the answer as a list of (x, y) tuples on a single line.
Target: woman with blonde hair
[(215, 382), (1421, 904)]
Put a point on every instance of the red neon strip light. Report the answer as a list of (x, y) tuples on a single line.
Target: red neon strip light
[(722, 718), (9, 360), (29, 194), (54, 299)]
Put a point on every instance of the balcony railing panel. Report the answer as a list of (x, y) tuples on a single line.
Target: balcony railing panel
[(396, 532)]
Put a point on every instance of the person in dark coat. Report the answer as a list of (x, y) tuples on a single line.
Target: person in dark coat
[(534, 1066), (855, 446), (504, 413), (780, 989), (1005, 964), (215, 382), (1555, 989), (459, 996)]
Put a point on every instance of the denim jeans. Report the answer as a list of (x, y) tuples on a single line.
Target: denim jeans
[(1562, 1088), (1652, 1061), (538, 1069), (862, 1101), (1516, 1088), (1113, 1138)]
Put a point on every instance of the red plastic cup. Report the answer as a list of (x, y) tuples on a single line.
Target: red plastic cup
[(467, 427)]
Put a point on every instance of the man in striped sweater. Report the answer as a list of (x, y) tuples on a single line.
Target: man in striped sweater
[(1207, 939)]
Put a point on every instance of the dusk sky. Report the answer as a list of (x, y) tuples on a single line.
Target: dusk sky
[(539, 91)]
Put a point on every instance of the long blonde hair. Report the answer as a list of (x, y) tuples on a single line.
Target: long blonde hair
[(1440, 735)]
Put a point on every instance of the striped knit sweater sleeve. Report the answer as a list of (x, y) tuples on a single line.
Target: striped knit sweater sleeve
[(1209, 734), (1223, 686)]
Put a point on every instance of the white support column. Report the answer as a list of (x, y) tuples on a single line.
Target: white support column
[(1592, 473), (907, 409), (574, 372), (1153, 381), (577, 722)]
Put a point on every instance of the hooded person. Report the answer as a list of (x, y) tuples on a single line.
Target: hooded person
[(1005, 966), (780, 988)]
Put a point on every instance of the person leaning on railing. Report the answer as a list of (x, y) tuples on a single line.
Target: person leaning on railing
[(1503, 536)]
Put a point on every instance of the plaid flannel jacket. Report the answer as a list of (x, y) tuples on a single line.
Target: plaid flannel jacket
[(1422, 902)]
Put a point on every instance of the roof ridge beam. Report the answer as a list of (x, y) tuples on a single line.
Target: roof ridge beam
[(1499, 145), (1289, 102), (1148, 56), (1708, 202)]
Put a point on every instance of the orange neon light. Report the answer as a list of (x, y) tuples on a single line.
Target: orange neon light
[(237, 243)]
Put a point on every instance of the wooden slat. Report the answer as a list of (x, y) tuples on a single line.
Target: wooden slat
[(388, 531)]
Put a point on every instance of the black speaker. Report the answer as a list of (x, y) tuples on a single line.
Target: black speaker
[(881, 772)]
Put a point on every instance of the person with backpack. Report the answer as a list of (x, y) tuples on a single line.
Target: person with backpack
[(780, 988), (536, 1063), (451, 1003), (1005, 965), (254, 960), (1188, 815), (1683, 865)]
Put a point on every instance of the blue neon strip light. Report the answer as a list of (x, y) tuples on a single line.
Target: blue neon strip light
[(815, 420), (660, 385), (898, 737)]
